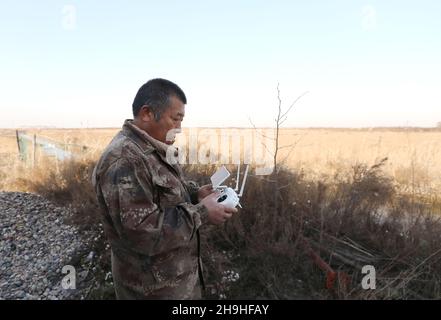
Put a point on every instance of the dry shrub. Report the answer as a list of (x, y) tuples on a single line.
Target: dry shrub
[(66, 183), (354, 218), (260, 243), (350, 220)]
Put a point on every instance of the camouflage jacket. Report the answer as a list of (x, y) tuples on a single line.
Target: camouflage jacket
[(151, 219)]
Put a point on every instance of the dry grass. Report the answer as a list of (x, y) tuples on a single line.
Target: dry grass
[(349, 221), (335, 197), (414, 155)]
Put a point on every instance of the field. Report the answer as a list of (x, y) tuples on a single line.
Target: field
[(413, 155)]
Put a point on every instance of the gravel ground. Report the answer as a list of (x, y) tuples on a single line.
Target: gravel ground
[(35, 244)]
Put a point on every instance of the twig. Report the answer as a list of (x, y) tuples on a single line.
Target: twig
[(260, 133), (295, 101)]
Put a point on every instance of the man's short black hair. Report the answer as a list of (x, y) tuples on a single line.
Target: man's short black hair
[(156, 94)]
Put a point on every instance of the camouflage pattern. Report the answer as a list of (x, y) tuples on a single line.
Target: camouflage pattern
[(151, 219)]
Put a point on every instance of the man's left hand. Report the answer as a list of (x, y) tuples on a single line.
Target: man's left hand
[(205, 191)]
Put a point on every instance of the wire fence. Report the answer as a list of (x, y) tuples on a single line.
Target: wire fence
[(33, 147)]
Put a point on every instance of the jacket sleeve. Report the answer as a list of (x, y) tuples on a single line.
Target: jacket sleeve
[(138, 220)]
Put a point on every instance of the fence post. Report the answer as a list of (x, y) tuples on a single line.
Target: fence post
[(18, 143), (34, 145)]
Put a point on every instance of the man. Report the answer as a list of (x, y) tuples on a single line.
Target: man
[(151, 214)]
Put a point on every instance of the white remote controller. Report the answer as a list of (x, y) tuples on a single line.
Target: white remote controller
[(228, 197)]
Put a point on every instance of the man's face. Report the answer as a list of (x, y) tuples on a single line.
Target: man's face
[(170, 123)]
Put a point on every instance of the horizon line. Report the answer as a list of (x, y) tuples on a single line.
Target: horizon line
[(217, 127)]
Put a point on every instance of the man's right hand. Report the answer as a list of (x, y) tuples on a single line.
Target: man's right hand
[(217, 213)]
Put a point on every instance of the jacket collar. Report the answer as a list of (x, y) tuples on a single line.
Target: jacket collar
[(146, 142)]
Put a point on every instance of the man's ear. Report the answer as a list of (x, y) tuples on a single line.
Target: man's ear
[(146, 114)]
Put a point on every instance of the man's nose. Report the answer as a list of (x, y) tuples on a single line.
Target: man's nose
[(178, 125)]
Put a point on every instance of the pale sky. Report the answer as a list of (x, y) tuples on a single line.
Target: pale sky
[(364, 63)]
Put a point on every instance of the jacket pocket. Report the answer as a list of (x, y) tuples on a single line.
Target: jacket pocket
[(168, 191)]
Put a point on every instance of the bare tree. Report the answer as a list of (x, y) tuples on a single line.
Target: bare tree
[(282, 116)]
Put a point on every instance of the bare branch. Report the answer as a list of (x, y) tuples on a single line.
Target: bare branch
[(277, 128), (292, 148), (280, 102), (260, 133), (287, 146), (270, 152), (265, 146), (295, 101), (281, 122)]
